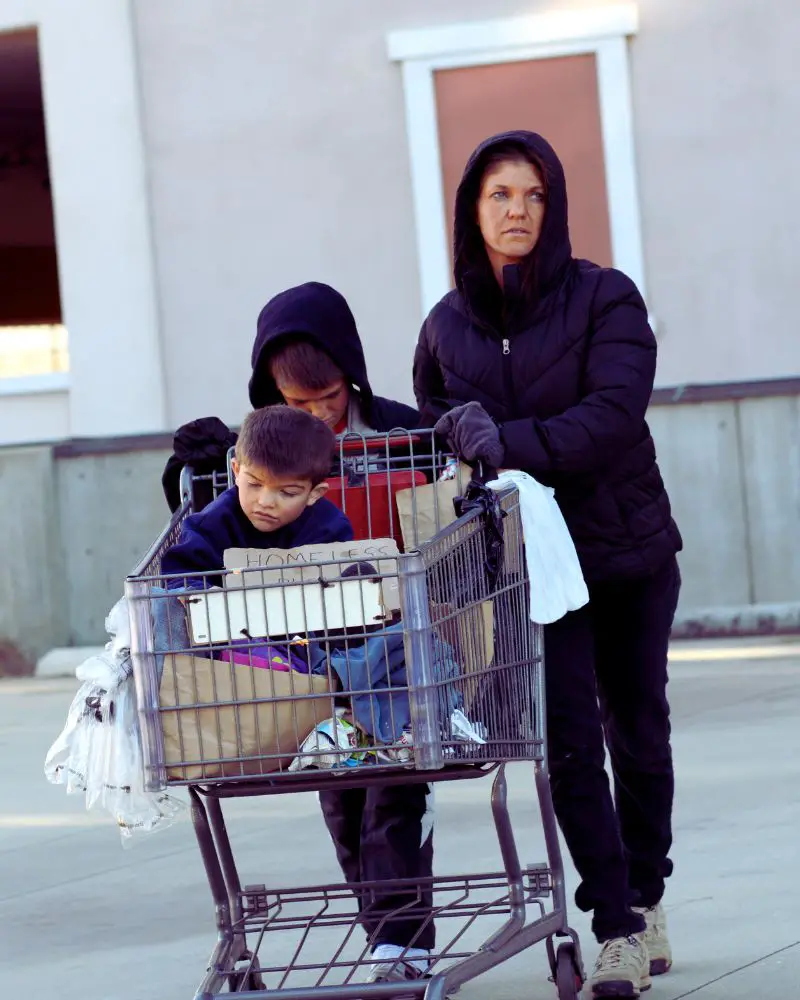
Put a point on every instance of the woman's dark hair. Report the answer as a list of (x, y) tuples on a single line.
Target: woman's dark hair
[(286, 442), (510, 152)]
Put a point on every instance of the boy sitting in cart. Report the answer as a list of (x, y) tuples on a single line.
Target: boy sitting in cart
[(283, 458)]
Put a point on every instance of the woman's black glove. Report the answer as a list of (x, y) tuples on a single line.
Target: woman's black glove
[(473, 435)]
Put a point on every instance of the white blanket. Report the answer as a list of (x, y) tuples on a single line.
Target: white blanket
[(556, 581)]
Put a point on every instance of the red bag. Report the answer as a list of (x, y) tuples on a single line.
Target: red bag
[(372, 505)]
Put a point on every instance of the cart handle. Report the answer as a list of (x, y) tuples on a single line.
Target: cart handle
[(351, 444)]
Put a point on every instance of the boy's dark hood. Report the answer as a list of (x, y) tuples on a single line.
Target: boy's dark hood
[(317, 313), (544, 268)]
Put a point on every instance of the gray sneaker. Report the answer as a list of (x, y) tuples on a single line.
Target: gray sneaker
[(655, 937), (622, 968)]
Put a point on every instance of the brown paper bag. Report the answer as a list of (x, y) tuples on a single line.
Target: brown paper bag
[(221, 734), (425, 510), (470, 634)]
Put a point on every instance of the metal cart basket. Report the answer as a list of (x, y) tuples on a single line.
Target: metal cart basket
[(406, 656)]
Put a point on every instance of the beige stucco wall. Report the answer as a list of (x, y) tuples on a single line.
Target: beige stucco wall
[(277, 153), (717, 115)]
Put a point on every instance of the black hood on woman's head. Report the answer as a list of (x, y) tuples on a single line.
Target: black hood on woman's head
[(544, 267), (313, 312)]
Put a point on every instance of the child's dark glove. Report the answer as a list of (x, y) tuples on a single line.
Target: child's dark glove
[(472, 434)]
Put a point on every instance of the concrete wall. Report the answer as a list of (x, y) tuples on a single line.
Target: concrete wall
[(277, 152), (33, 606), (72, 530), (732, 469), (110, 508), (733, 473)]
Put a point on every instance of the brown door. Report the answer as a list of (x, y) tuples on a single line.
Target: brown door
[(558, 98)]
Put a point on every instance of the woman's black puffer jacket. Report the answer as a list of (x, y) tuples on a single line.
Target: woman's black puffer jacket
[(563, 359)]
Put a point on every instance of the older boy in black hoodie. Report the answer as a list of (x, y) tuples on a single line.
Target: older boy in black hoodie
[(308, 355), (316, 315)]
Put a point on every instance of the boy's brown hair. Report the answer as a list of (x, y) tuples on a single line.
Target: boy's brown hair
[(301, 363), (286, 442)]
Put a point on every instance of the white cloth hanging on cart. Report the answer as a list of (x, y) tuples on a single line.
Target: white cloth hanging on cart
[(555, 578), (99, 752)]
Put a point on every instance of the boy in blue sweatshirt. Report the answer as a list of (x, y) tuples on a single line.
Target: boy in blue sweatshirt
[(283, 457)]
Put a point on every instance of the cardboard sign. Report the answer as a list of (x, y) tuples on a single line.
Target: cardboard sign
[(283, 608), (304, 564)]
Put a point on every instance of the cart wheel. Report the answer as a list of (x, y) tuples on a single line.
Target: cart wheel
[(568, 981)]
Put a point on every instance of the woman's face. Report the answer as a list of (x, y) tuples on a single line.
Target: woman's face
[(511, 208)]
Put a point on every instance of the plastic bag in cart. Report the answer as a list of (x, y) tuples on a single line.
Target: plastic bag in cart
[(332, 743), (98, 753)]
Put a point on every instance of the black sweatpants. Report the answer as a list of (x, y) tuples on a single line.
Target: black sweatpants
[(380, 834), (606, 674)]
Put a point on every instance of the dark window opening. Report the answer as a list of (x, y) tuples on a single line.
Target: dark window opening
[(32, 336)]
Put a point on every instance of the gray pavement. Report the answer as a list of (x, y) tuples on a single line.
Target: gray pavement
[(82, 918)]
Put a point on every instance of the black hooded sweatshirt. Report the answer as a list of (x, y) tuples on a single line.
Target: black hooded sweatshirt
[(562, 357), (318, 313), (314, 312)]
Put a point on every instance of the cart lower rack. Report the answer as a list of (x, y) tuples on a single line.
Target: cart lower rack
[(391, 662)]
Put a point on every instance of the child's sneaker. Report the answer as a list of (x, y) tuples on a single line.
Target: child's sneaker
[(622, 968), (389, 967), (655, 937), (394, 971)]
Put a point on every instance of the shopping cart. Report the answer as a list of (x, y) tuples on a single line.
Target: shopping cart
[(443, 604)]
